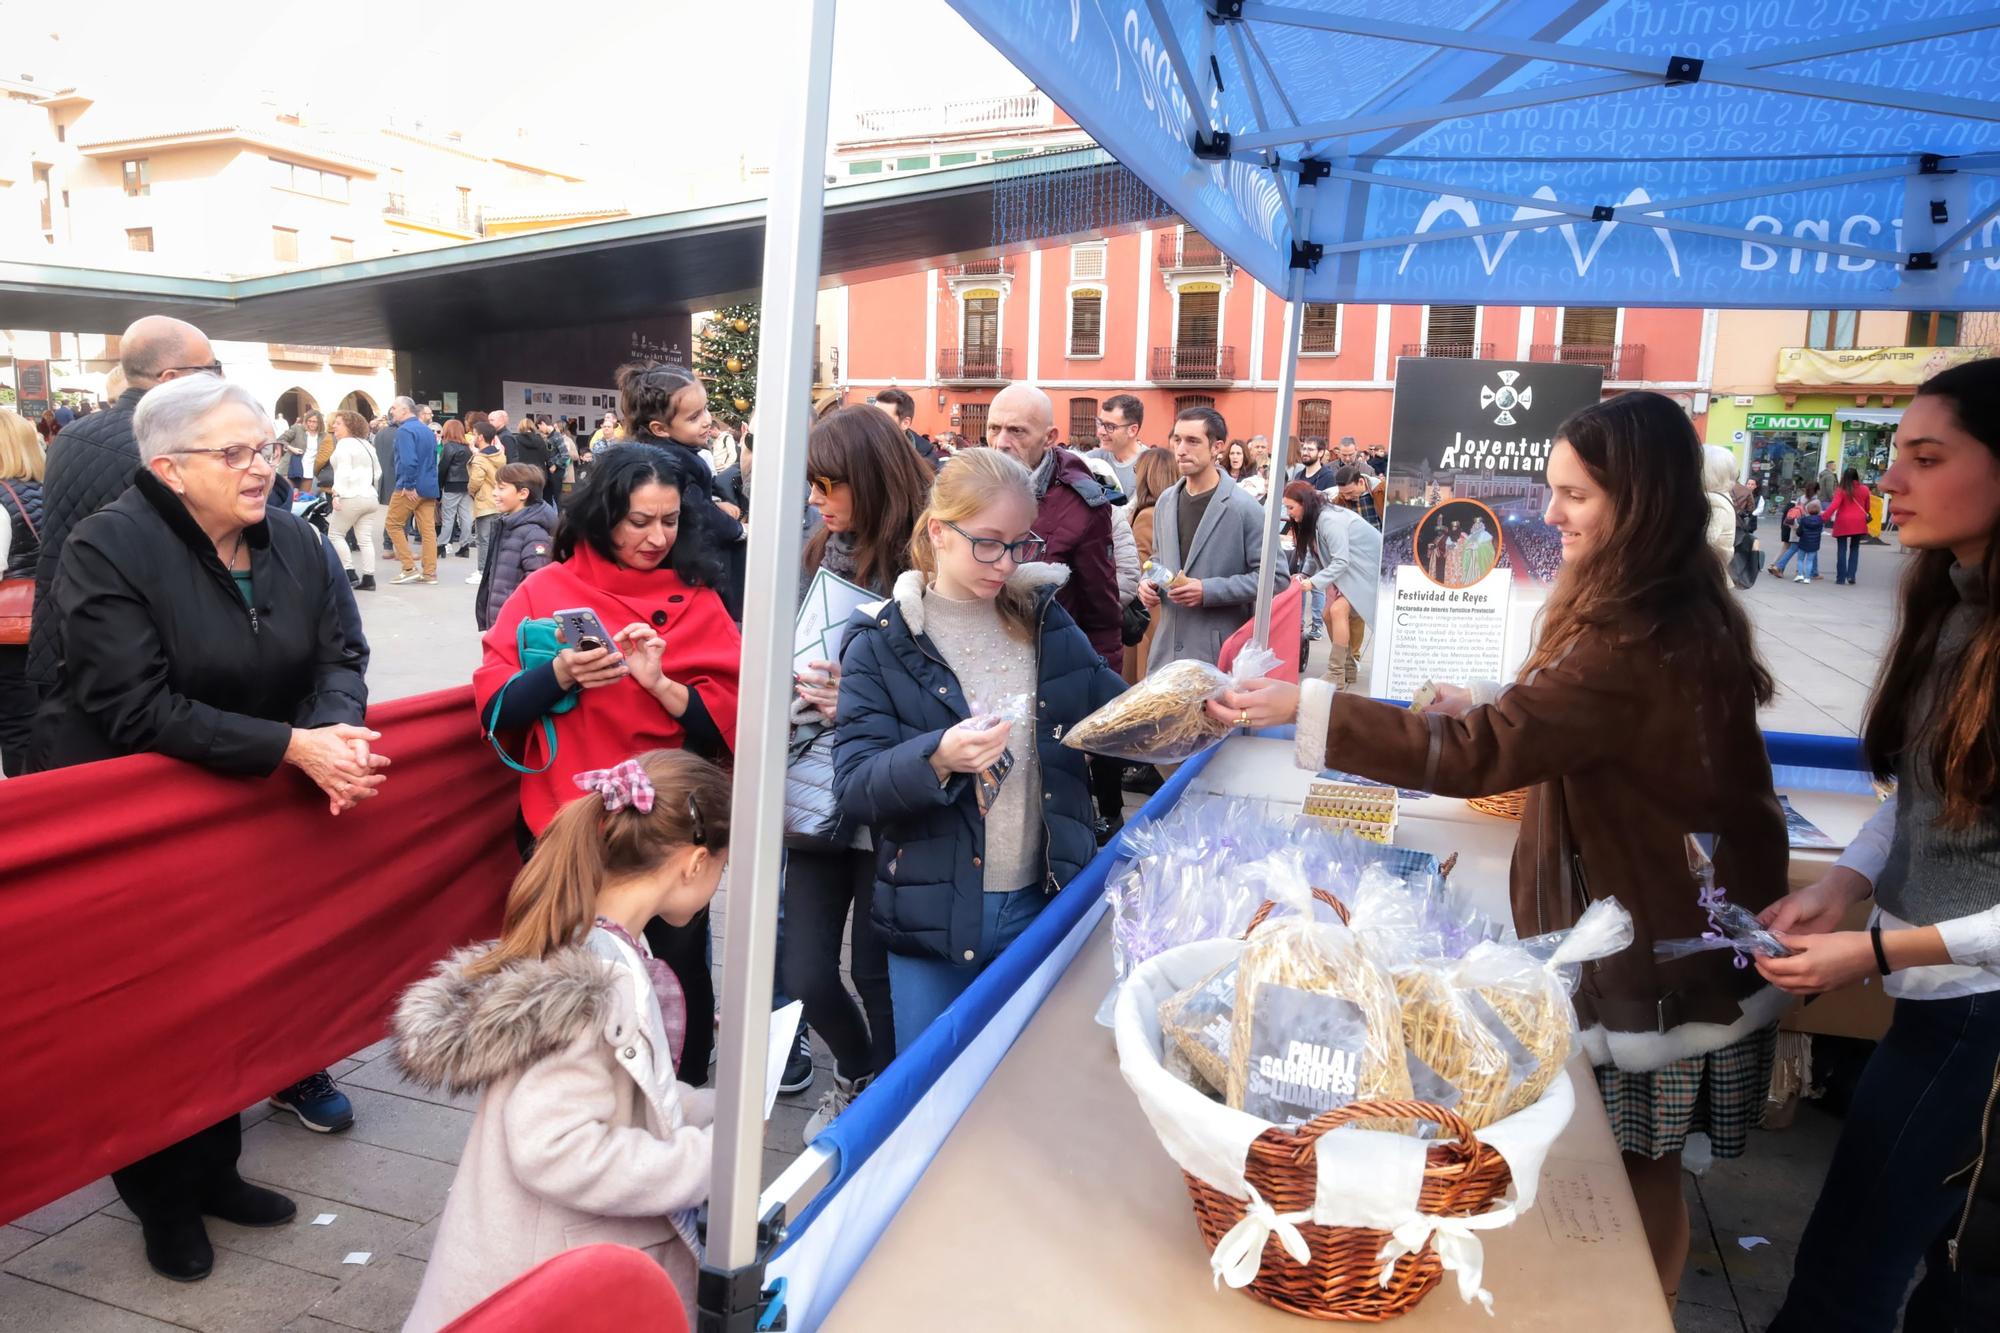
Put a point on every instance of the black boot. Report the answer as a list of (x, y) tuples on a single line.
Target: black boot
[(367, 583), (249, 1205), (177, 1247), (353, 579)]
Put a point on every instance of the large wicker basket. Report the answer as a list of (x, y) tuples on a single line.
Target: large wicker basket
[(1505, 805), (1343, 1279)]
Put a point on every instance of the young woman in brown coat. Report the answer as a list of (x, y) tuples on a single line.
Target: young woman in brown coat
[(1634, 723), (1152, 473)]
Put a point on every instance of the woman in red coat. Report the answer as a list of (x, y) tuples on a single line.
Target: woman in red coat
[(1847, 519), (627, 549)]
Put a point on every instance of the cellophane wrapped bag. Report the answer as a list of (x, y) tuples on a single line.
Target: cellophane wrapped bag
[(1164, 719)]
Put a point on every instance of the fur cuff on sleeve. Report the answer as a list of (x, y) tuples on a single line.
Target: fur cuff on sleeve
[(1315, 715)]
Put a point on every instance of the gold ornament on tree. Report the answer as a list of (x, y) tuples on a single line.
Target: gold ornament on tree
[(742, 404), (740, 325), (734, 365)]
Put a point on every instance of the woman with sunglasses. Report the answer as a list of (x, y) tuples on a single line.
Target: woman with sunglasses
[(961, 869), (870, 488), (191, 621)]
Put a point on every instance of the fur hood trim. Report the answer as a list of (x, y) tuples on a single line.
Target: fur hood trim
[(1034, 577), (1640, 1052), (458, 1034)]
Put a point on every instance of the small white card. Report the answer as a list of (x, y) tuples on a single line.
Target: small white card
[(784, 1031), (358, 1257), (324, 1220)]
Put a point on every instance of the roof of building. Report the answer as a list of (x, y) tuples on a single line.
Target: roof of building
[(625, 268)]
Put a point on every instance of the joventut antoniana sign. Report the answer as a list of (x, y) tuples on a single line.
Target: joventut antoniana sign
[(1466, 558)]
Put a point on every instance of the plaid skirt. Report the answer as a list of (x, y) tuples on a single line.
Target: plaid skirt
[(1720, 1094)]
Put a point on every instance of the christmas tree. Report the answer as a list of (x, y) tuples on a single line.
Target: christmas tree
[(726, 359)]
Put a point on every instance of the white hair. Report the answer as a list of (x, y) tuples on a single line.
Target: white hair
[(407, 404), (170, 416)]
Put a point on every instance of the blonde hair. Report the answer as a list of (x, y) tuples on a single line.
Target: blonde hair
[(554, 898), (967, 486), (21, 457)]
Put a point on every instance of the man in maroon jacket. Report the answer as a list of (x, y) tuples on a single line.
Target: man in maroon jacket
[(1075, 514)]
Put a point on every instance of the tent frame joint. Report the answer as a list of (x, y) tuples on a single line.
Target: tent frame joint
[(1225, 11), (1307, 254), (1603, 213), (1312, 170), (1210, 145), (1932, 164), (1682, 70), (735, 1300), (1920, 261)]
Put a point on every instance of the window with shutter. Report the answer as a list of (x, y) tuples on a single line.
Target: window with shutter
[(1831, 329), (972, 422), (1187, 400), (1083, 423), (1589, 325), (1200, 320), (1315, 418), (1321, 332), (1086, 322), (1086, 262), (1450, 330)]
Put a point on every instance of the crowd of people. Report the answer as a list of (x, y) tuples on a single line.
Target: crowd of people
[(182, 608)]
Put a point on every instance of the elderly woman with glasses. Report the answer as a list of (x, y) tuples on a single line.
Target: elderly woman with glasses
[(963, 866), (191, 621)]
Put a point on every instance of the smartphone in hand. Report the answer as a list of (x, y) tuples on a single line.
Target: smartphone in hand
[(582, 630)]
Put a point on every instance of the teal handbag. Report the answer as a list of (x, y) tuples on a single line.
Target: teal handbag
[(536, 645)]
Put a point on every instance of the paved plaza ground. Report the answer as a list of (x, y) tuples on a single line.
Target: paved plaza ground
[(76, 1266)]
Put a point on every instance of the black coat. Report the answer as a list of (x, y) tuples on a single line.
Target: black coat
[(385, 454), (454, 465), (897, 698), (91, 462), (158, 652)]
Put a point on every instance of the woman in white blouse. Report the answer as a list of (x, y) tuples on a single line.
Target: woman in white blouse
[(1897, 1190), (356, 508)]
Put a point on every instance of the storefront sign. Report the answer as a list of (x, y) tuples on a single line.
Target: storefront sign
[(31, 388), (1466, 558), (557, 400), (1790, 421), (1813, 367)]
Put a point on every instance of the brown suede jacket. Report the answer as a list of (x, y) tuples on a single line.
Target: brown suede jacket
[(1633, 746)]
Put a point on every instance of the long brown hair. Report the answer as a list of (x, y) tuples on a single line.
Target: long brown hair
[(1306, 531), (1652, 577), (554, 898), (863, 446), (1959, 738), (1152, 476), (967, 486)]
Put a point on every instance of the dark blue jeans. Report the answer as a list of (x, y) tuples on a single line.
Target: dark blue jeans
[(1885, 1205), (1847, 560), (924, 987)]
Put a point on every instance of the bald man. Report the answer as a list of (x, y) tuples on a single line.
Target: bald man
[(92, 461), (1074, 517)]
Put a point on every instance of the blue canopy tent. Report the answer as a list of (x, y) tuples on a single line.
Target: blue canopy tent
[(1765, 153)]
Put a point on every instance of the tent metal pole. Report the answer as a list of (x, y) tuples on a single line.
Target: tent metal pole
[(730, 1290), (1284, 136), (1536, 222), (1191, 86), (1281, 426)]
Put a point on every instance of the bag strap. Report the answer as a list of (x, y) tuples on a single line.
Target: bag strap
[(492, 736), (22, 509)]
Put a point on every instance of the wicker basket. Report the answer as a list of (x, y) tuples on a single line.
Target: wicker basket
[(1507, 805), (1341, 1280)]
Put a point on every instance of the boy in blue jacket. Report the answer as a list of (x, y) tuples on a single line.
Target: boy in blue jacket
[(1806, 533)]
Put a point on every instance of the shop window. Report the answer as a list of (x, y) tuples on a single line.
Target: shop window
[(1832, 330), (1315, 418), (1086, 322), (138, 173), (139, 239), (1083, 423), (1320, 332), (1933, 328)]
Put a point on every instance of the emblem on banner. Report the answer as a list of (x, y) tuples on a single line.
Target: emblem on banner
[(1506, 398)]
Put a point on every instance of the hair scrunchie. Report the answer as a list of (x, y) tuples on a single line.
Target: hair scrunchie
[(619, 786)]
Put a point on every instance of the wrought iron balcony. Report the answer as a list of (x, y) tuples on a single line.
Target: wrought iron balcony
[(1619, 361), (1193, 364), (994, 267), (975, 365), (1187, 250), (449, 215), (1463, 351)]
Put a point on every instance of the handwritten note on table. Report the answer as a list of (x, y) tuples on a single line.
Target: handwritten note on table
[(1575, 1207)]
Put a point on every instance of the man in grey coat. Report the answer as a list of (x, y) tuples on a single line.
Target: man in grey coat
[(1210, 533)]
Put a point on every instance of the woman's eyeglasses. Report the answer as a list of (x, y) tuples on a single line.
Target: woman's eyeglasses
[(988, 550), (824, 485), (238, 457)]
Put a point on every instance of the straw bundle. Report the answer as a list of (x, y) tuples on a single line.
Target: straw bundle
[(1160, 720)]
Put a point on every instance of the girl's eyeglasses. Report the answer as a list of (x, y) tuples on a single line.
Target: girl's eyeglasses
[(988, 550)]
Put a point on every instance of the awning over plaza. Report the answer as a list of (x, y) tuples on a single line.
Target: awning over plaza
[(1553, 152), (629, 268)]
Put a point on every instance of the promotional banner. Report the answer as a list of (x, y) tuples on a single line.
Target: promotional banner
[(1466, 558), (31, 388), (1823, 368), (557, 400)]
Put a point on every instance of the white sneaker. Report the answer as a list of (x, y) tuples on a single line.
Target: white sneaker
[(476, 579), (1802, 579), (837, 1099)]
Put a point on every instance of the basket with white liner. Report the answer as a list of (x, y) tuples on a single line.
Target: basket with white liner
[(1327, 1218)]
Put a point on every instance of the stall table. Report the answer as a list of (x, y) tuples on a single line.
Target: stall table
[(1053, 1207)]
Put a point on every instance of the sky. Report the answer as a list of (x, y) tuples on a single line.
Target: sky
[(652, 85)]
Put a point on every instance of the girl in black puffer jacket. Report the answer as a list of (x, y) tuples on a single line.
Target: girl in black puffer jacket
[(975, 618)]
